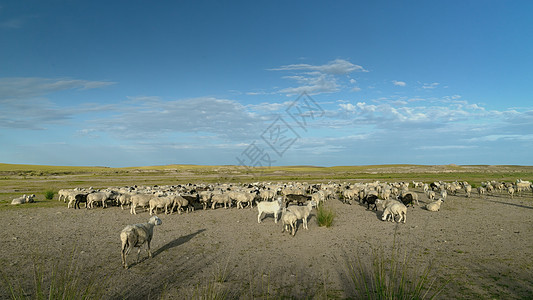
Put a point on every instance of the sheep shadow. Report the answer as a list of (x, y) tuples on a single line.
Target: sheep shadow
[(513, 204), (177, 242)]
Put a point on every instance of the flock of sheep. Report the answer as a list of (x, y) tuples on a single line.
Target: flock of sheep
[(289, 202)]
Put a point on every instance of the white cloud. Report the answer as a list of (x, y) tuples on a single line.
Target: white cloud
[(430, 85), (399, 83), (335, 67), (353, 81), (356, 89)]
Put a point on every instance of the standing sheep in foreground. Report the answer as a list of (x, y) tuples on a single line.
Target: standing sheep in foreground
[(302, 212), (136, 235), (396, 209), (288, 220), (268, 207)]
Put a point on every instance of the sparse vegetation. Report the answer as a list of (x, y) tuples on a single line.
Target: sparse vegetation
[(325, 216), (49, 195), (54, 281), (391, 276)]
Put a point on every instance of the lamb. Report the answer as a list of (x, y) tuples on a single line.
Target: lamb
[(435, 205), (430, 195), (396, 209), (135, 236), (289, 219), (23, 199), (302, 212), (511, 190), (268, 207)]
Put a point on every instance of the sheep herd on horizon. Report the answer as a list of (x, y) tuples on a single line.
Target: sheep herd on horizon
[(292, 201)]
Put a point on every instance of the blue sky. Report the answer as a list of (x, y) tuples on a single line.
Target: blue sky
[(134, 83)]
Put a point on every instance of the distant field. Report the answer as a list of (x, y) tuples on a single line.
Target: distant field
[(16, 180)]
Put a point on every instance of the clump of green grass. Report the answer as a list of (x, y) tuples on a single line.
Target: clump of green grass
[(325, 216), (391, 276), (49, 195)]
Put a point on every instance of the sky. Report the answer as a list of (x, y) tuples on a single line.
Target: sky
[(266, 83)]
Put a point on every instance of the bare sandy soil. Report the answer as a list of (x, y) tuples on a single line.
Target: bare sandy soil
[(484, 245)]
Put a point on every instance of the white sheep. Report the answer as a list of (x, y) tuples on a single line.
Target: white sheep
[(142, 200), (135, 236), (162, 202), (23, 199), (396, 209), (435, 205), (302, 212), (288, 220), (268, 207)]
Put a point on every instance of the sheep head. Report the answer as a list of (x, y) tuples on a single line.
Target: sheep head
[(155, 220)]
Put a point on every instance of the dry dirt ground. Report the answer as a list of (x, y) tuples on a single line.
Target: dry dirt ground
[(483, 246)]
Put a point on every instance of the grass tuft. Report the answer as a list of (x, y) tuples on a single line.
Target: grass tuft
[(49, 195), (55, 282), (325, 216), (391, 276)]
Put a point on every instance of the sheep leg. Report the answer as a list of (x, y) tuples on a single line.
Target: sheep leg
[(293, 229), (149, 252), (276, 217), (259, 217)]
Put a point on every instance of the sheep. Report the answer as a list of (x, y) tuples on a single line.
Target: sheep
[(300, 199), (220, 199), (396, 209), (302, 212), (23, 199), (468, 190), (142, 200), (386, 203), (161, 202), (288, 219), (435, 205), (406, 199), (481, 191), (511, 190), (135, 236), (430, 194), (370, 200), (269, 207)]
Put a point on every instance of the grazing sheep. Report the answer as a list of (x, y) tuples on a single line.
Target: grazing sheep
[(370, 200), (435, 205), (396, 209), (23, 199), (288, 220), (430, 194), (269, 207), (136, 235), (302, 212)]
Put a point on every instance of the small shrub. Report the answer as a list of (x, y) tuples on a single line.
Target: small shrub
[(49, 195), (325, 216)]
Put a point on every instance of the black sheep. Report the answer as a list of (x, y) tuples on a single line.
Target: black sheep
[(300, 199), (370, 200), (406, 199)]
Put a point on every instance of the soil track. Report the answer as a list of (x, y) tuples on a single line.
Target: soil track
[(483, 245)]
